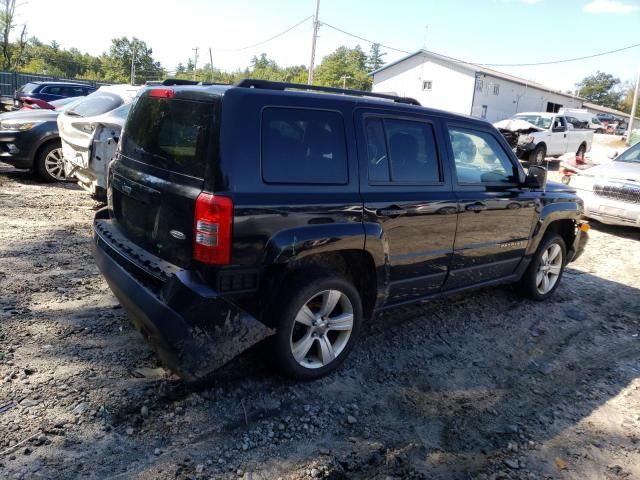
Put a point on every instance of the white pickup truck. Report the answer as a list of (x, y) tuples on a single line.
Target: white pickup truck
[(537, 135)]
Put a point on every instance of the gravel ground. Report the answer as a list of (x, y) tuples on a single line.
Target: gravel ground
[(483, 385)]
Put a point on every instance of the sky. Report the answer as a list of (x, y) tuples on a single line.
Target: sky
[(478, 31)]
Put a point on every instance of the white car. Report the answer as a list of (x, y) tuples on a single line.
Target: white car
[(89, 133), (546, 135), (585, 116), (611, 191)]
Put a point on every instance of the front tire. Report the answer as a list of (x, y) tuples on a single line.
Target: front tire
[(538, 155), (49, 163), (317, 325), (545, 271)]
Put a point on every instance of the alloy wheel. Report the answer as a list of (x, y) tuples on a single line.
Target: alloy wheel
[(549, 269), (54, 164), (322, 329)]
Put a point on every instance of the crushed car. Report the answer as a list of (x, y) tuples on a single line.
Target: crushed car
[(90, 132), (536, 135)]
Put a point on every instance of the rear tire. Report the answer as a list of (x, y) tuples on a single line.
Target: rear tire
[(582, 149), (545, 270), (49, 163), (538, 155), (317, 320)]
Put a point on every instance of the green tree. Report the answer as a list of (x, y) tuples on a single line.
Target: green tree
[(11, 53), (374, 60), (345, 66), (117, 62), (627, 98), (600, 89)]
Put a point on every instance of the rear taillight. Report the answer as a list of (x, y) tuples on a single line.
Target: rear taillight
[(212, 229)]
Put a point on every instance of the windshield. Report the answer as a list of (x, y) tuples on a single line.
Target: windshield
[(95, 104), (630, 155), (537, 120)]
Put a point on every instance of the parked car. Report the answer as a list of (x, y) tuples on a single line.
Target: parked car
[(611, 191), (606, 118), (90, 133), (266, 209), (29, 139), (49, 91), (36, 104), (550, 135), (585, 116)]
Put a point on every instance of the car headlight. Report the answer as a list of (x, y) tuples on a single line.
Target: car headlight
[(18, 126)]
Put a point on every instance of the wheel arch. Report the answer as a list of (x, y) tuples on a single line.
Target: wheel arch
[(37, 150), (356, 265)]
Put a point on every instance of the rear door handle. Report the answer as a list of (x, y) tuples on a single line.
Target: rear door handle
[(476, 207)]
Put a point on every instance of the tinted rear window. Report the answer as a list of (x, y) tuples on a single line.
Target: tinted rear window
[(170, 134), (303, 146), (96, 104)]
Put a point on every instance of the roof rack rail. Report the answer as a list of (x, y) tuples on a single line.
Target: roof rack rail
[(178, 81), (269, 85)]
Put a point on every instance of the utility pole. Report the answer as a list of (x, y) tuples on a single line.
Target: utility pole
[(316, 24), (133, 67), (211, 64), (195, 61), (633, 110)]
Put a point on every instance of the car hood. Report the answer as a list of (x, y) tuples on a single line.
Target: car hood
[(616, 170), (552, 186), (30, 116)]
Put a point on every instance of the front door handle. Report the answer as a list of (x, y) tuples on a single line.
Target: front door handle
[(390, 212), (476, 207)]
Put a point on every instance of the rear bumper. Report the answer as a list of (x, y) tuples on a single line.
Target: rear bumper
[(193, 329)]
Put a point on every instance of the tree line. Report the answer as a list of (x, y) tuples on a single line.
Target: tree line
[(348, 67)]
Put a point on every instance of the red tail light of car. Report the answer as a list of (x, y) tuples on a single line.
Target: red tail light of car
[(212, 229)]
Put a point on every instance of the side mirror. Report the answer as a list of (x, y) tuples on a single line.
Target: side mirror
[(536, 177), (613, 155), (559, 129)]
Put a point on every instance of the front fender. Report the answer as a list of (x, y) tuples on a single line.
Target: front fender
[(552, 212), (297, 243)]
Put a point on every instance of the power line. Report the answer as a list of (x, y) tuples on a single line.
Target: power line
[(551, 62), (363, 39), (268, 39)]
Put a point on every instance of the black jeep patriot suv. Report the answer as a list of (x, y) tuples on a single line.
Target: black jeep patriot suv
[(275, 210)]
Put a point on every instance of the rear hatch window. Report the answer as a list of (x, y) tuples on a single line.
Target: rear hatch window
[(96, 104), (171, 134)]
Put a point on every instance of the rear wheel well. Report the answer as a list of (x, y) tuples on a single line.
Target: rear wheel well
[(357, 266), (566, 229)]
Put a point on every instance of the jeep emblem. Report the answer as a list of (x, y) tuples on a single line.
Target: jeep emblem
[(177, 234)]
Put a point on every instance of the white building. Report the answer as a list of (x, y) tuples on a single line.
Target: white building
[(445, 83)]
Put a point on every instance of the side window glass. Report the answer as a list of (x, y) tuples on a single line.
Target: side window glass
[(52, 90), (401, 151), (377, 157), (303, 146), (479, 158)]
